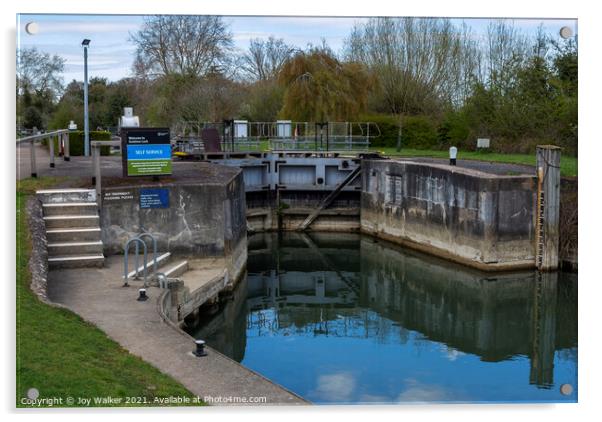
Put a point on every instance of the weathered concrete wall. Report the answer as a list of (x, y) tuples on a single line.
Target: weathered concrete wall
[(475, 218), (235, 227), (38, 261), (201, 219)]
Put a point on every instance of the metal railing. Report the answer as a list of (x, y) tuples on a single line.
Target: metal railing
[(138, 240), (62, 137), (327, 136), (278, 136), (126, 253), (96, 172)]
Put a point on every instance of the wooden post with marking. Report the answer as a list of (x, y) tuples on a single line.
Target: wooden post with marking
[(548, 207)]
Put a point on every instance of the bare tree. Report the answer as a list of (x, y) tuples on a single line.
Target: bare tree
[(39, 73), (418, 62), (506, 49), (265, 58), (184, 45)]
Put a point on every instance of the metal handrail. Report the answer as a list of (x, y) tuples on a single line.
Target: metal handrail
[(145, 233), (40, 136), (126, 255), (60, 134)]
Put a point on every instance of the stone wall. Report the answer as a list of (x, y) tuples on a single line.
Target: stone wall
[(475, 218), (197, 219)]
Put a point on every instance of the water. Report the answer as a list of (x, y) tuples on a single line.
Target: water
[(342, 318)]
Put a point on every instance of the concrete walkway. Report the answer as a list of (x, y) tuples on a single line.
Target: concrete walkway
[(501, 169), (98, 296)]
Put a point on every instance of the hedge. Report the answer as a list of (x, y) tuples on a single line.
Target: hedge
[(418, 132), (76, 142)]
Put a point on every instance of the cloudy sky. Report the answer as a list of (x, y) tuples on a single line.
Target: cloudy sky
[(111, 52)]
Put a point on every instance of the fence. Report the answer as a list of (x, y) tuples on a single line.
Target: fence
[(63, 141), (240, 135)]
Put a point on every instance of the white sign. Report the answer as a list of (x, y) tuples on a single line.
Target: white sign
[(483, 143)]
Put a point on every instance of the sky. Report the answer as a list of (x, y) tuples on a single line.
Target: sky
[(111, 52)]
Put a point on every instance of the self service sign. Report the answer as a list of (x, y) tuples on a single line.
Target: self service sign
[(146, 151)]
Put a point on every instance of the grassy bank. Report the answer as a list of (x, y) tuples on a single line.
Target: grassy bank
[(568, 165), (61, 355)]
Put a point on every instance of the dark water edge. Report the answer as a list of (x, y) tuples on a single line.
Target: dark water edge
[(345, 318)]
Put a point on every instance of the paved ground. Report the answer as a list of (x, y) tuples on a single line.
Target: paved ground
[(111, 169), (98, 296), (503, 169), (187, 170)]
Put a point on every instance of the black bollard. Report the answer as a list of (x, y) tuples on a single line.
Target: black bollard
[(142, 295), (200, 348)]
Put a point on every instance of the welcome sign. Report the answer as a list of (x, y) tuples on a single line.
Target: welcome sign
[(146, 151)]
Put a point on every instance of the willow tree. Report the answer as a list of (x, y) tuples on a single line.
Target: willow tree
[(319, 87)]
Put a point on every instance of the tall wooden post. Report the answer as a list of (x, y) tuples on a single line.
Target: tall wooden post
[(66, 152), (51, 149), (32, 154), (548, 207), (97, 171)]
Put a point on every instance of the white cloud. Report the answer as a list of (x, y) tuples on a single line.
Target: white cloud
[(338, 387), (418, 392), (451, 354)]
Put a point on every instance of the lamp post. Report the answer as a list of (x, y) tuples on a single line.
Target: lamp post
[(85, 44)]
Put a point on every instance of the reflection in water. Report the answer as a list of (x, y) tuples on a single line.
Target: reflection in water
[(343, 318)]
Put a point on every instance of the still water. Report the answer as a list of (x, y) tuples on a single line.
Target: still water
[(343, 318)]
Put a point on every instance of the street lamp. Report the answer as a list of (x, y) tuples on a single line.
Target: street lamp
[(85, 44)]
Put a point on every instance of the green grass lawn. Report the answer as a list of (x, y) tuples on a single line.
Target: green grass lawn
[(568, 165), (60, 354)]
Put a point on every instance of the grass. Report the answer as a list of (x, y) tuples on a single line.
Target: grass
[(568, 165), (62, 355)]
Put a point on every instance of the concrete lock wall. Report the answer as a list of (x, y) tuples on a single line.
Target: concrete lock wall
[(475, 218), (199, 219)]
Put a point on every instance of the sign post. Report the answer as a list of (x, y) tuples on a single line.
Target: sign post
[(146, 152)]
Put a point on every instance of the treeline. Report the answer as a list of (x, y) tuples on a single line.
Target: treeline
[(427, 83)]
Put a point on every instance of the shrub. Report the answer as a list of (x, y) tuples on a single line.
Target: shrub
[(455, 130), (388, 126), (76, 142), (419, 132)]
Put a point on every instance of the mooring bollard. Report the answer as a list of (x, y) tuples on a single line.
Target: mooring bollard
[(200, 348), (453, 153), (142, 295)]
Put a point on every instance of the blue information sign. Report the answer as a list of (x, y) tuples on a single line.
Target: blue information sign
[(146, 151), (154, 198)]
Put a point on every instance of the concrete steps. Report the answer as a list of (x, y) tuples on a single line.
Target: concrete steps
[(177, 270), (76, 261), (75, 248), (68, 221), (161, 261), (63, 196), (86, 234), (74, 208), (72, 228), (173, 271)]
